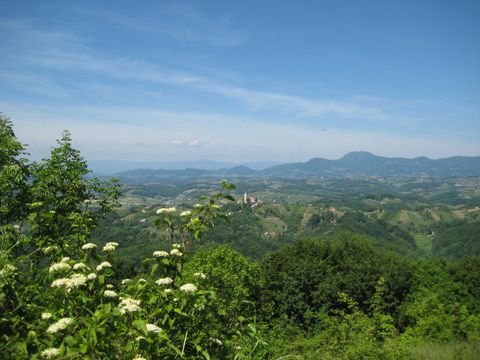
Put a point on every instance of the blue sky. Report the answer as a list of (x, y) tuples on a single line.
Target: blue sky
[(245, 80)]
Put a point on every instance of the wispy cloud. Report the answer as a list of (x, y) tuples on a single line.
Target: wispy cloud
[(65, 52), (179, 21), (62, 65), (147, 133)]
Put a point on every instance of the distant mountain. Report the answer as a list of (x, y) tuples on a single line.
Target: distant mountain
[(359, 163), (363, 163), (241, 170), (109, 167)]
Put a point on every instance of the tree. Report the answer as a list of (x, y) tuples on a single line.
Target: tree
[(65, 202), (60, 295), (303, 279), (238, 279), (47, 212), (14, 172)]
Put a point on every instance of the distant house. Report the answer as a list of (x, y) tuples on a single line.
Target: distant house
[(249, 200)]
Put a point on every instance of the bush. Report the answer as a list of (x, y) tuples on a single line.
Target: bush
[(61, 297)]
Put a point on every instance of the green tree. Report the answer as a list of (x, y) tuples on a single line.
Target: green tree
[(61, 297), (467, 272), (66, 203), (14, 172), (49, 210), (303, 279), (435, 309), (237, 278)]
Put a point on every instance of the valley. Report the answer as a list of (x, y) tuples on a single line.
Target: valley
[(407, 215)]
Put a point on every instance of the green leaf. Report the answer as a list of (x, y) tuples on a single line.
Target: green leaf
[(140, 325), (154, 269)]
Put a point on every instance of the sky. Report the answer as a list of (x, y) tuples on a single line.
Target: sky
[(243, 81)]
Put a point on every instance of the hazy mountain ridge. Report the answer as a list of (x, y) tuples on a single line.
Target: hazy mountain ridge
[(107, 167), (363, 163), (359, 163)]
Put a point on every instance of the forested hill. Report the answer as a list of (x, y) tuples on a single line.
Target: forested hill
[(367, 164), (352, 164)]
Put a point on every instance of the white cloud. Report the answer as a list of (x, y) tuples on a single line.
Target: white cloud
[(64, 51), (238, 142), (145, 132), (179, 21)]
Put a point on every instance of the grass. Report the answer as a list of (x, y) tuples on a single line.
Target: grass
[(424, 243), (455, 350), (309, 211), (273, 224)]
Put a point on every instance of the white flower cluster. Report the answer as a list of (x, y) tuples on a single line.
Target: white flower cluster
[(160, 253), (217, 341), (188, 288), (79, 266), (110, 246), (46, 316), (199, 306), (110, 294), (50, 353), (7, 270), (60, 266), (164, 281), (125, 281), (77, 280), (138, 357), (60, 325), (62, 282), (186, 213), (200, 275), (169, 210), (177, 246), (91, 276), (103, 265), (176, 252), (153, 328), (89, 246), (72, 282), (128, 305), (49, 249)]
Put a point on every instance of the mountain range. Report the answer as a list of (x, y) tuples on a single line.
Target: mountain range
[(359, 163), (109, 167)]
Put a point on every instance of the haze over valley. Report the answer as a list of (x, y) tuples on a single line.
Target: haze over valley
[(240, 180)]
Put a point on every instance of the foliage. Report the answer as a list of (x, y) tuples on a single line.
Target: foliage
[(190, 225), (334, 295), (467, 272), (60, 297), (436, 308), (14, 172), (347, 334), (238, 279), (245, 233), (458, 239), (303, 280), (66, 204)]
